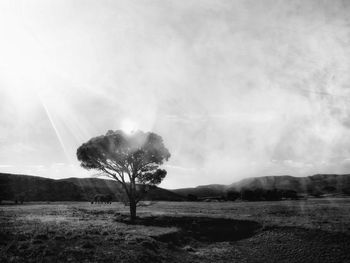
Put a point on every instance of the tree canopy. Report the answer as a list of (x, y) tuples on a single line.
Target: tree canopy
[(131, 159)]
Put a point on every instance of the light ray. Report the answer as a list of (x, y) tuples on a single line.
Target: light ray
[(59, 137)]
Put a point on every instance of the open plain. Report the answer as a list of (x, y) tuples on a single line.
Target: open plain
[(313, 230)]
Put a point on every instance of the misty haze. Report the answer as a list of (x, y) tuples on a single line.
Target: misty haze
[(174, 131)]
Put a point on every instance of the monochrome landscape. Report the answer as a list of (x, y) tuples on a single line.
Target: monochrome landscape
[(174, 131)]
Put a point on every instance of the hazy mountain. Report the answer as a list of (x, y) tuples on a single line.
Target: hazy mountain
[(323, 183), (283, 182), (203, 190), (33, 188), (319, 183)]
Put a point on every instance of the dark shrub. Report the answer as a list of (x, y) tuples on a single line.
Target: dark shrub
[(192, 197), (233, 195)]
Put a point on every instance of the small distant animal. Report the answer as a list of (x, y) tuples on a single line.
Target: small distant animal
[(19, 199), (102, 199)]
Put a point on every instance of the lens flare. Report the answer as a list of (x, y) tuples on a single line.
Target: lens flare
[(128, 126)]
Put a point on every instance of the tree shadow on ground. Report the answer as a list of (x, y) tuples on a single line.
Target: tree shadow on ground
[(204, 229)]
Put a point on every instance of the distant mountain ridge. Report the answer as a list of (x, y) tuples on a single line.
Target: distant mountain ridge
[(203, 190), (34, 188), (319, 183)]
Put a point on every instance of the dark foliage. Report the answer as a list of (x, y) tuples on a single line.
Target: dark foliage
[(233, 195), (267, 195), (130, 159), (192, 197), (102, 199)]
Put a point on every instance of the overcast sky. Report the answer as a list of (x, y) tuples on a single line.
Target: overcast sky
[(235, 88)]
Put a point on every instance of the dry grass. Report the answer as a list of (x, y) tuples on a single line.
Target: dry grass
[(332, 214), (81, 232)]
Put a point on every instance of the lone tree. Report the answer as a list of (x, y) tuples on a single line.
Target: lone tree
[(131, 159)]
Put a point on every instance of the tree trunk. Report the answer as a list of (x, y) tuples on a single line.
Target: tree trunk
[(132, 204)]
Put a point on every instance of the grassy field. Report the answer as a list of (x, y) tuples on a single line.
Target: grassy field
[(314, 230)]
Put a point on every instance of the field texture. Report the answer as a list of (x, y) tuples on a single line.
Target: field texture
[(315, 230)]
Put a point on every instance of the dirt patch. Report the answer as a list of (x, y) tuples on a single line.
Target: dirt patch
[(289, 244), (204, 229)]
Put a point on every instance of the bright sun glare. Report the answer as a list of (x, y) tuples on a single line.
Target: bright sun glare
[(128, 126)]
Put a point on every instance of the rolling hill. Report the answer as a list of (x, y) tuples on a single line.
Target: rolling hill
[(33, 188), (203, 191), (315, 184), (323, 183)]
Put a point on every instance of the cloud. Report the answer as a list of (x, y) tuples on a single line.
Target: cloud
[(230, 86), (5, 165)]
